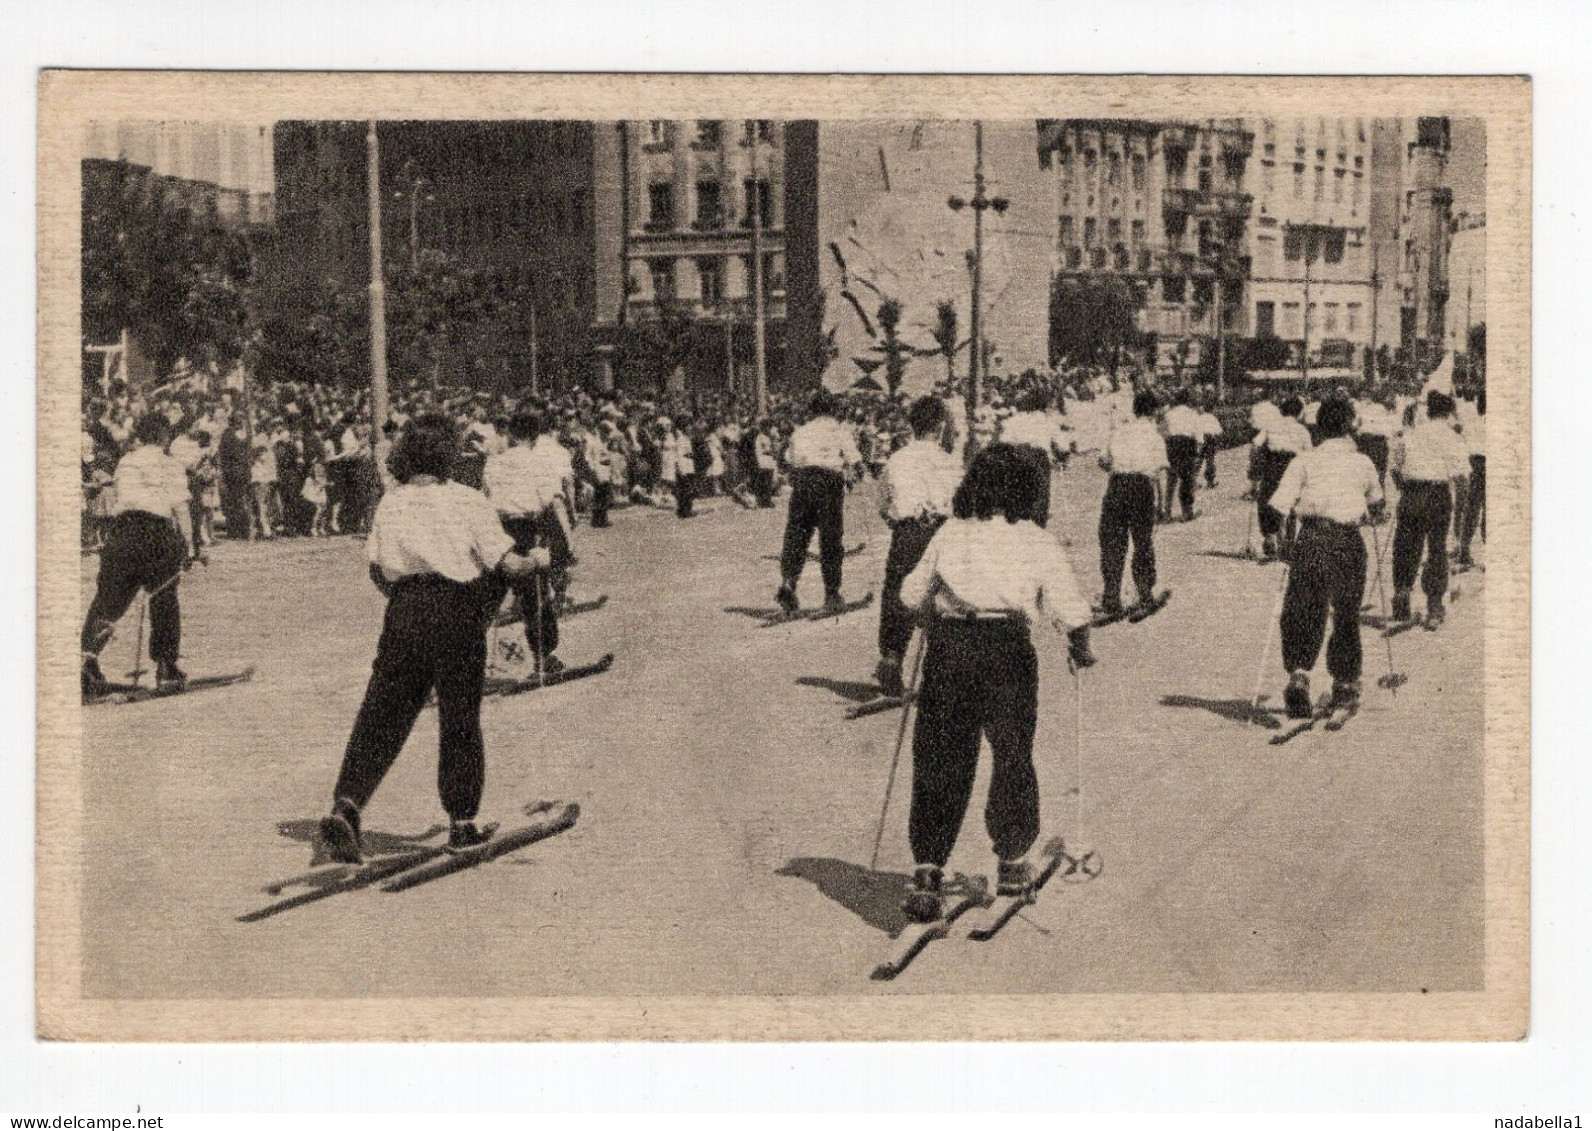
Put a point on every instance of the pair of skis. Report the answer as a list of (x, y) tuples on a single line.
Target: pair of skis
[(1328, 716), (1133, 614), (507, 687), (990, 915), (822, 612), (401, 871), (121, 693)]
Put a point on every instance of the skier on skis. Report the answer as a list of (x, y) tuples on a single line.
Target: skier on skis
[(987, 578), (824, 461)]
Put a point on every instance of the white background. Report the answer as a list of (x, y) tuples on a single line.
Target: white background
[(1544, 1075)]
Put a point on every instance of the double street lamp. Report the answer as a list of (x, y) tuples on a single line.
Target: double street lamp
[(980, 203)]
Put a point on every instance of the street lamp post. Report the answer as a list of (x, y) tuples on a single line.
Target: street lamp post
[(979, 204), (378, 292)]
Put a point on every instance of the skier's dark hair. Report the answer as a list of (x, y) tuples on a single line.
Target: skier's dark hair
[(1336, 418), (1182, 396), (1293, 406), (823, 404), (1000, 482), (525, 426), (428, 447), (926, 415), (1145, 403), (1035, 400), (152, 428), (1438, 404)]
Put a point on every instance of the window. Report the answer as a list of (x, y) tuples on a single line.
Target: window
[(1138, 232), (1066, 231), (1265, 319), (1337, 186), (1291, 327), (657, 132), (757, 201), (1114, 231), (1176, 163), (710, 213), (1268, 176), (1121, 258), (1114, 170), (1172, 288), (1355, 195), (1144, 260), (764, 129), (1352, 312), (1299, 181), (709, 135), (1205, 180), (662, 271), (711, 276), (1204, 292), (1321, 182), (1097, 258), (1075, 257), (660, 206), (1138, 172), (1330, 325), (1089, 230)]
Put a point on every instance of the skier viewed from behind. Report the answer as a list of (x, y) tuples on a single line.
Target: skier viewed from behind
[(988, 576)]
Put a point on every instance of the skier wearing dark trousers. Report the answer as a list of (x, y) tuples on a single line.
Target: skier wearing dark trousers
[(1427, 463), (1476, 497), (988, 577), (528, 486), (915, 494), (439, 553), (1184, 433), (1210, 441), (1331, 490), (1284, 438), (1035, 435), (1135, 457), (1375, 428), (763, 461), (824, 461), (147, 548)]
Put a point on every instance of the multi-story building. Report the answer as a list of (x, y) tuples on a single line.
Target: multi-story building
[(1413, 206), (1467, 271), (223, 169), (677, 203), (1311, 248), (513, 197), (1161, 204)]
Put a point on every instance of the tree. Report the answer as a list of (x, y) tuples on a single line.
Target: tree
[(166, 272), (889, 314), (1093, 320), (944, 334)]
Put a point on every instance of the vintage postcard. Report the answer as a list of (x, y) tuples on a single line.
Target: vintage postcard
[(742, 557)]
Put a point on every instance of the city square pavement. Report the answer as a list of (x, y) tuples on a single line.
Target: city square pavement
[(728, 808)]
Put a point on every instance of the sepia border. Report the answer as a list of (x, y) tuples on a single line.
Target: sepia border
[(68, 99)]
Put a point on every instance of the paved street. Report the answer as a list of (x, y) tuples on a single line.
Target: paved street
[(728, 809)]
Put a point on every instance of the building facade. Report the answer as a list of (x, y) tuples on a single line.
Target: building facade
[(1311, 248), (1414, 206), (677, 203), (512, 198), (226, 169), (1163, 205)]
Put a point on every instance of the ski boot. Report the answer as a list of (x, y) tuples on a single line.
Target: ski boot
[(1345, 694), (1297, 695), (1401, 605), (787, 599), (923, 903), (94, 681), (1014, 878), (834, 602), (168, 676), (1109, 607), (888, 675), (340, 833), (1268, 549), (1434, 615), (467, 834), (549, 665)]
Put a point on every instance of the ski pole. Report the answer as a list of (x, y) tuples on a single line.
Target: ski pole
[(1265, 651), (1393, 679), (901, 734), (138, 651)]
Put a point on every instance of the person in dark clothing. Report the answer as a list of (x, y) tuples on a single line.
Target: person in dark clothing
[(440, 555)]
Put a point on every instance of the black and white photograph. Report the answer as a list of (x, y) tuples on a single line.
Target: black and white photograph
[(993, 561)]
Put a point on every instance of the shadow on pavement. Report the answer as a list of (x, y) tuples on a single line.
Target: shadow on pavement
[(753, 612), (375, 842), (1235, 710), (856, 691), (874, 897)]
